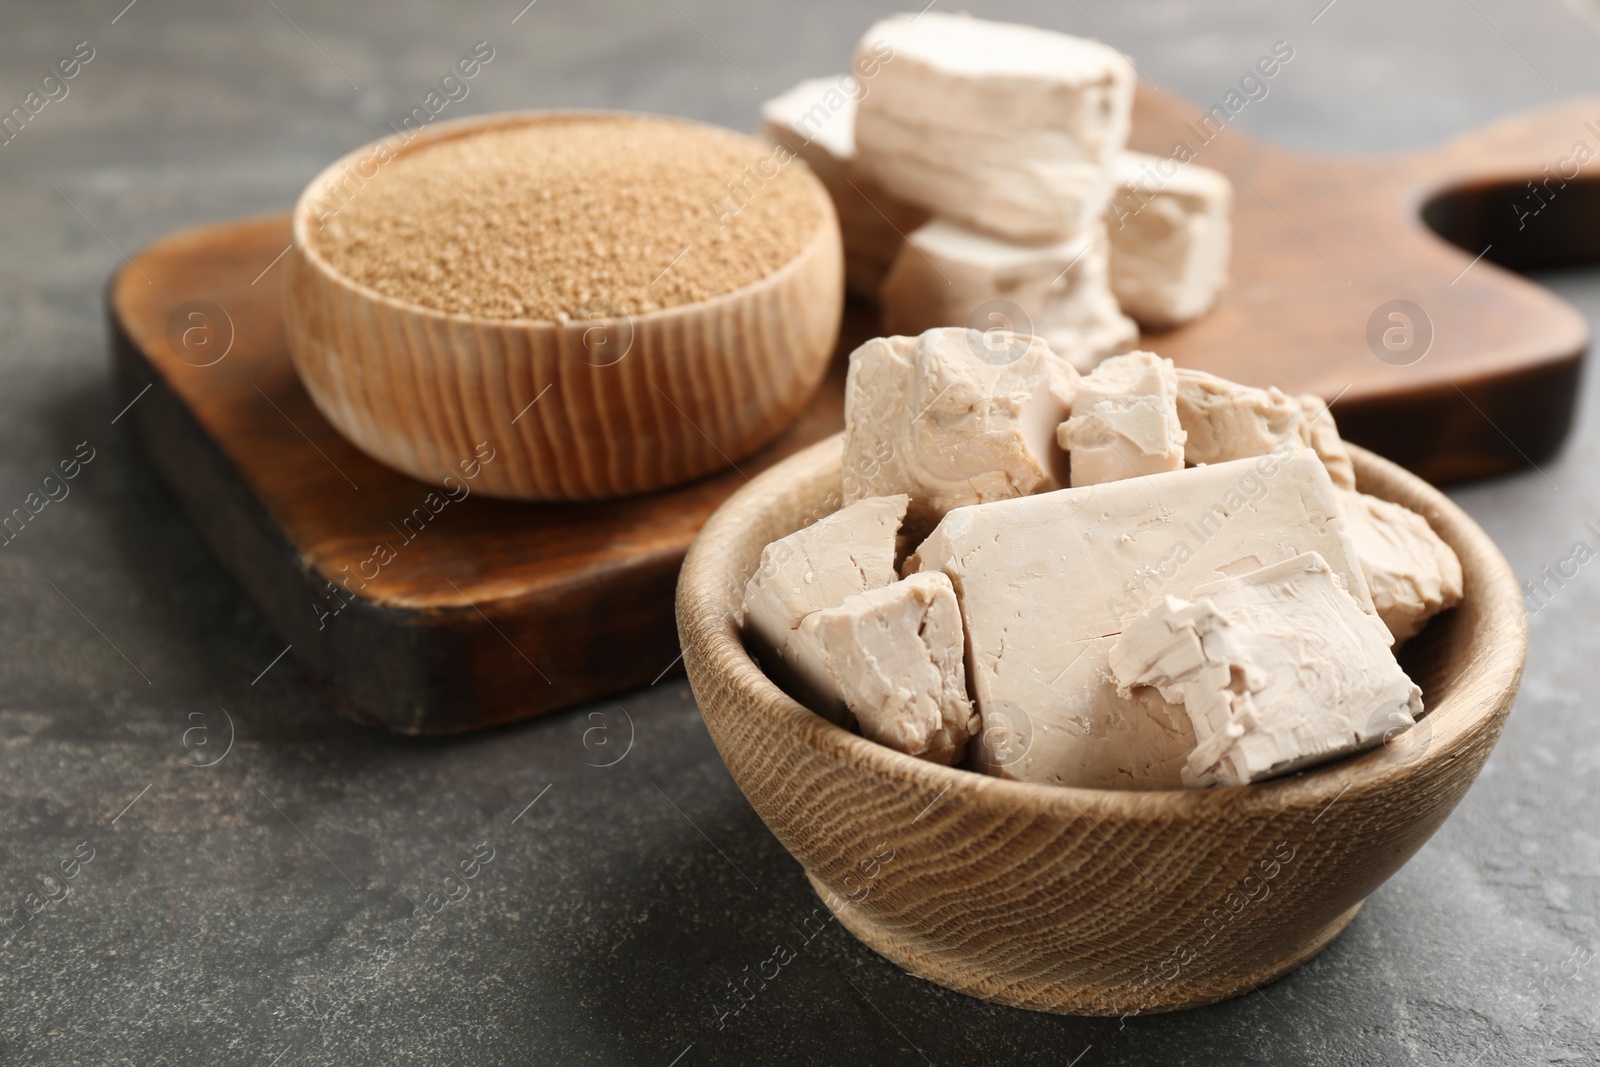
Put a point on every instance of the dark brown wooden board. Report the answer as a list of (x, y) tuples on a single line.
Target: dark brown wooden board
[(1322, 243), (492, 611)]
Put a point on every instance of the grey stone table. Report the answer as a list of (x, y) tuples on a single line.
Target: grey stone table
[(254, 911)]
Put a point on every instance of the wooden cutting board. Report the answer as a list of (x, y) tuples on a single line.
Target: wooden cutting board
[(1325, 246), (481, 612)]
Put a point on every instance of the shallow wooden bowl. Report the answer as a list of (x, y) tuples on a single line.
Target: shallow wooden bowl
[(1091, 901), (634, 403)]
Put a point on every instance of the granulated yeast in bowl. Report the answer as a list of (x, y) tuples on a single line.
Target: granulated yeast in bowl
[(572, 214), (613, 303)]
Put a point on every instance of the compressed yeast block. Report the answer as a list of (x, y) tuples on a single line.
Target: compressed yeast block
[(1124, 421), (1005, 128), (954, 417), (895, 655), (816, 121), (1044, 581), (1085, 733), (1170, 238), (1276, 669), (840, 555), (1412, 573), (949, 275)]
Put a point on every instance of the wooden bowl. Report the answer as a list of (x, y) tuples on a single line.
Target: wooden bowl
[(1090, 901), (635, 402)]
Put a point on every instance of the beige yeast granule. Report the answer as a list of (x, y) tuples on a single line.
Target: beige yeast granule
[(571, 216)]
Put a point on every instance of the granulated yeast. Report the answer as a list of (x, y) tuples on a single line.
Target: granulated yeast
[(573, 216)]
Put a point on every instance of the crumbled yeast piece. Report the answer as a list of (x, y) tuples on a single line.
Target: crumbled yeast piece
[(948, 275), (1005, 128), (1124, 421), (950, 419), (895, 656), (1275, 669), (1225, 420), (1045, 581), (1170, 238), (816, 120), (1321, 433), (1412, 573), (840, 555)]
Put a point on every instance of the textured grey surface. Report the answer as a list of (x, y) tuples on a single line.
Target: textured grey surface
[(254, 911)]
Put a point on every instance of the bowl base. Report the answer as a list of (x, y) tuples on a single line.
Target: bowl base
[(1065, 998)]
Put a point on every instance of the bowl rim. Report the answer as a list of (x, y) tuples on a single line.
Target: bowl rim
[(472, 125), (1483, 687)]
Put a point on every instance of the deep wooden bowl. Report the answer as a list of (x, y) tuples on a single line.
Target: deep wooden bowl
[(634, 403), (1089, 901)]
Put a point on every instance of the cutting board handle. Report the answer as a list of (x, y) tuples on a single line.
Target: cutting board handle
[(1526, 187)]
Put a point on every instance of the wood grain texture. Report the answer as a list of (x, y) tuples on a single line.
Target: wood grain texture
[(587, 409), (1079, 900), (490, 611), (1320, 243)]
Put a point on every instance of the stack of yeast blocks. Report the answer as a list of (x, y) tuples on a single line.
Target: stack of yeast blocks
[(981, 180), (1155, 578)]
